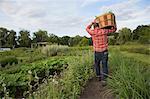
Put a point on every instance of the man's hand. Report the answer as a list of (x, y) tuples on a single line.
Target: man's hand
[(92, 23), (113, 27), (88, 29)]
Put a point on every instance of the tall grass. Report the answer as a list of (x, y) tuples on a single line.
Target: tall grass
[(53, 50), (130, 79)]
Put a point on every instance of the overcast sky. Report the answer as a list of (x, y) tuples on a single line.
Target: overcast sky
[(70, 17)]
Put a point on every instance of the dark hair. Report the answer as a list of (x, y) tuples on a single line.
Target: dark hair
[(96, 25)]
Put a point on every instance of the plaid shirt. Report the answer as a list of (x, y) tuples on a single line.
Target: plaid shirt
[(99, 38)]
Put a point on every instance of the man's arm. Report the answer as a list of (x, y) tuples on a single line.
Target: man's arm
[(88, 29), (112, 30)]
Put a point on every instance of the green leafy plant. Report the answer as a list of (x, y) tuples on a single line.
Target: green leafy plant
[(19, 80)]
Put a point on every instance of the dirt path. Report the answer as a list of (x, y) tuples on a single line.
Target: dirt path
[(95, 90)]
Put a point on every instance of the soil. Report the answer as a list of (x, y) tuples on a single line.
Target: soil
[(95, 90)]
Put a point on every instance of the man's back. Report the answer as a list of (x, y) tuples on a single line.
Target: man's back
[(99, 38)]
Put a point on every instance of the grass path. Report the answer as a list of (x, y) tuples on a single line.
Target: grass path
[(95, 90)]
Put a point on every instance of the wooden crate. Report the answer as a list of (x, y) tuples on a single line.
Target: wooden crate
[(106, 20)]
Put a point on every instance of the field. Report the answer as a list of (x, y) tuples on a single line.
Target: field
[(61, 72), (46, 49)]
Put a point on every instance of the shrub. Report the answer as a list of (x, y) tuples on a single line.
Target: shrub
[(8, 60)]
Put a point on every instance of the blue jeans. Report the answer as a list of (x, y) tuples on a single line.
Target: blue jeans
[(101, 57)]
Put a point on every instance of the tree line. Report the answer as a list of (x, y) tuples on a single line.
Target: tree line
[(8, 38), (141, 35)]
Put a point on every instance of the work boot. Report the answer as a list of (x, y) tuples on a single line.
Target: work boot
[(99, 78), (104, 83)]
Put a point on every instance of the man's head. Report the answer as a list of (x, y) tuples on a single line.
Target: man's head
[(96, 25)]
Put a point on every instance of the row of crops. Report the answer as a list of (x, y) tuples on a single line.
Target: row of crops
[(16, 81), (71, 82), (61, 75), (20, 56)]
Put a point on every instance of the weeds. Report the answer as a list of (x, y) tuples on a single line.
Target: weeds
[(130, 79)]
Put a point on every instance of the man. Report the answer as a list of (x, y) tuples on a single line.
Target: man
[(100, 44)]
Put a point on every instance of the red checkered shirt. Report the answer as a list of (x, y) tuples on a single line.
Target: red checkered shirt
[(99, 38)]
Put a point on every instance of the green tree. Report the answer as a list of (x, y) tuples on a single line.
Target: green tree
[(142, 34), (40, 36), (77, 39), (24, 38), (111, 41), (116, 34), (3, 36), (74, 41), (53, 38), (11, 39), (64, 40), (70, 41), (84, 42), (124, 35)]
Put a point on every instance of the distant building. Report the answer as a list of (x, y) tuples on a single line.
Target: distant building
[(4, 49), (39, 44)]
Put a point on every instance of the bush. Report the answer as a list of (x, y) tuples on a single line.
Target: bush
[(8, 60)]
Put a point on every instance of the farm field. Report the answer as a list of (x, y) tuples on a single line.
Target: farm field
[(20, 80), (52, 49), (64, 72)]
